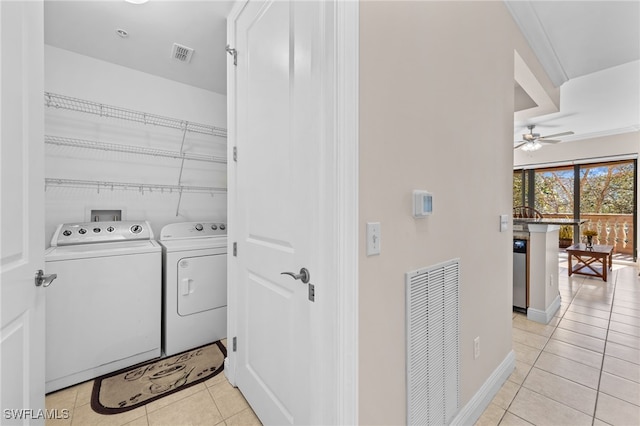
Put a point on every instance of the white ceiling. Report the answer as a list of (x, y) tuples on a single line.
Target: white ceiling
[(89, 27), (591, 48)]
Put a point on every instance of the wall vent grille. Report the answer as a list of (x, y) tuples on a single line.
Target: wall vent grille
[(181, 53), (433, 373)]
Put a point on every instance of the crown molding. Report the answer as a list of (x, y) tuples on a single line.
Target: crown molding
[(526, 19)]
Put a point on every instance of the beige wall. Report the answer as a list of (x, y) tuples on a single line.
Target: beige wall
[(436, 113)]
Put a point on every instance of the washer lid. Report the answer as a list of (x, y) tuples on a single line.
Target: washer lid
[(86, 251)]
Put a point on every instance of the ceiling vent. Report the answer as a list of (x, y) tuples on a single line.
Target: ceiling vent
[(181, 53)]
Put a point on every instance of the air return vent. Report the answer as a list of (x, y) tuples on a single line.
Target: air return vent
[(181, 53), (432, 344)]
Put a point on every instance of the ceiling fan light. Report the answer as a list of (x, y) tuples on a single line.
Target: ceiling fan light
[(531, 146)]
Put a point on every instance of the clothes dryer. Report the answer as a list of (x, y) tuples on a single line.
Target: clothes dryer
[(103, 312), (194, 285)]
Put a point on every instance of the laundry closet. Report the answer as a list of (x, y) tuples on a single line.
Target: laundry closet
[(155, 184), (127, 150)]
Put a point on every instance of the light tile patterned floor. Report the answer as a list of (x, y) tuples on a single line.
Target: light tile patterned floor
[(581, 368), (584, 366), (213, 402)]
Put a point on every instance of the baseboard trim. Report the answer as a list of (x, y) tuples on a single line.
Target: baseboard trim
[(472, 411), (544, 316)]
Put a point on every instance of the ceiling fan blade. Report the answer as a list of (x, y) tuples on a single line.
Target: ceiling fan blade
[(556, 134), (519, 145), (549, 140)]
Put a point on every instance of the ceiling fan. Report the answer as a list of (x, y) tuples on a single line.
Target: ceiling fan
[(533, 141)]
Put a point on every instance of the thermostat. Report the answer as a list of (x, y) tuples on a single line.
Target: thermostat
[(422, 203)]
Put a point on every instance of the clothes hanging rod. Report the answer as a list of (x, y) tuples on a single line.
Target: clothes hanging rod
[(107, 146), (142, 187), (74, 104)]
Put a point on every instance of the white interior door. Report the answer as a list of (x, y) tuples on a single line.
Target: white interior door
[(22, 212), (277, 138)]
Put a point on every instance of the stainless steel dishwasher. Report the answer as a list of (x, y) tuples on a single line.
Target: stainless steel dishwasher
[(520, 274)]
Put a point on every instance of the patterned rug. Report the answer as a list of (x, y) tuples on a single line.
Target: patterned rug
[(135, 386)]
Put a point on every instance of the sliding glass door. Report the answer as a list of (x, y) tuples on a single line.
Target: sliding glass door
[(604, 193), (554, 191), (607, 200)]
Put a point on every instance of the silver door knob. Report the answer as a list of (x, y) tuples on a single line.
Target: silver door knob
[(44, 280), (304, 275)]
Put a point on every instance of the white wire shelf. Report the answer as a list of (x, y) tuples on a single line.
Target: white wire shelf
[(65, 102), (141, 187), (107, 146)]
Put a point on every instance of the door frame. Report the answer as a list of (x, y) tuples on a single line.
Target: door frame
[(335, 321)]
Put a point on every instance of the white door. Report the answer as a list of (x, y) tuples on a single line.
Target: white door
[(278, 141), (22, 212)]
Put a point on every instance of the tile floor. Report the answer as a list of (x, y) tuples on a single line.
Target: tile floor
[(583, 368), (213, 402)]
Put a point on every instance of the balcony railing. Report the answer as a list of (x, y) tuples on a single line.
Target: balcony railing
[(613, 229)]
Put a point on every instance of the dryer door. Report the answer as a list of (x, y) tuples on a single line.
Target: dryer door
[(202, 283)]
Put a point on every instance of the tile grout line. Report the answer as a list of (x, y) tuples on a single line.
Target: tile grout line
[(521, 385), (604, 349)]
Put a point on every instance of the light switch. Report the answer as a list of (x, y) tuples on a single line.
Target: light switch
[(373, 238), (504, 222)]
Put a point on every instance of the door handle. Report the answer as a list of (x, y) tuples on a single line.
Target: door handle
[(44, 280), (304, 275)]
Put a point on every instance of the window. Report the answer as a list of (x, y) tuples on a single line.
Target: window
[(604, 193), (554, 191)]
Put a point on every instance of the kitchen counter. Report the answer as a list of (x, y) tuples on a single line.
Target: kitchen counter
[(542, 235), (522, 223)]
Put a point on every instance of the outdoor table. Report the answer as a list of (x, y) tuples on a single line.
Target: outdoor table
[(596, 259)]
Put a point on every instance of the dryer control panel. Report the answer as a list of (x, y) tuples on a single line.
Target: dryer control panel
[(187, 230), (101, 232)]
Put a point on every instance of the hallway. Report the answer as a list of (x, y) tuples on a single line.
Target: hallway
[(583, 368)]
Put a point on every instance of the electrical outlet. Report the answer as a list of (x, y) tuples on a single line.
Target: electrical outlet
[(476, 347)]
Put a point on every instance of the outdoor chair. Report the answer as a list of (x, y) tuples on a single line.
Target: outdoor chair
[(526, 212)]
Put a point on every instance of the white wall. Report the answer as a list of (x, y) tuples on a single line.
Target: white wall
[(581, 150), (436, 113), (78, 76)]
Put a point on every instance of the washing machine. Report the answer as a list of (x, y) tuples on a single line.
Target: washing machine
[(103, 312), (194, 284)]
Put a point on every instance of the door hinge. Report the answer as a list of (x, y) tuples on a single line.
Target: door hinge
[(233, 52), (235, 153), (235, 249), (234, 344)]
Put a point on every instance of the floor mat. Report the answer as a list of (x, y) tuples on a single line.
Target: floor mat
[(135, 386)]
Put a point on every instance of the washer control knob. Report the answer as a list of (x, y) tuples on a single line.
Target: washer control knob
[(214, 226), (82, 231), (136, 229), (199, 227), (96, 230), (66, 232), (111, 229), (222, 227)]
